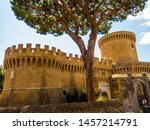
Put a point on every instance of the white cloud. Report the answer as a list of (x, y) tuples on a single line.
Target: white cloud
[(142, 33), (131, 18), (144, 15), (145, 39), (147, 23)]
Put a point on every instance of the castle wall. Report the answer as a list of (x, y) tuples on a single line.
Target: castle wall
[(39, 75), (119, 47), (135, 68), (23, 97), (33, 86)]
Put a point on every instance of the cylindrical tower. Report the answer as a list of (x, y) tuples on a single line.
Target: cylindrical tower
[(31, 76), (119, 47), (38, 75)]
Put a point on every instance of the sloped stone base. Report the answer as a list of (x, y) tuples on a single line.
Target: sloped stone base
[(110, 106)]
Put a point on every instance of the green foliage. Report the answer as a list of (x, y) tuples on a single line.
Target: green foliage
[(139, 90), (83, 95), (1, 78), (101, 96), (77, 96), (79, 16), (140, 94)]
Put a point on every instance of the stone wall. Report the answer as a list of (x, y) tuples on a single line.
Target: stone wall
[(136, 68), (29, 70), (36, 75), (110, 106)]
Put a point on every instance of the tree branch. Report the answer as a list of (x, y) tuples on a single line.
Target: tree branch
[(80, 3), (72, 15), (86, 10), (78, 40), (98, 9), (92, 38)]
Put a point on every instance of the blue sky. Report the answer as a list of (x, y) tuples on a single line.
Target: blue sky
[(13, 32)]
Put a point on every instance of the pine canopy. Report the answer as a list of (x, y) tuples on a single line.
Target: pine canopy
[(77, 16)]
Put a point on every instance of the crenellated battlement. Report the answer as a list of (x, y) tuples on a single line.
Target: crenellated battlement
[(124, 68), (120, 35), (17, 57), (21, 51), (29, 50), (106, 62)]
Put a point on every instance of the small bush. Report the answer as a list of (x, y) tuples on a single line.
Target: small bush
[(76, 96)]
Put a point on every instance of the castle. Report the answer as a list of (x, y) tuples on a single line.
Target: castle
[(41, 75)]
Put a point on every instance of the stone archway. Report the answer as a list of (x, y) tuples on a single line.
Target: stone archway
[(143, 82), (105, 96), (130, 102), (101, 96)]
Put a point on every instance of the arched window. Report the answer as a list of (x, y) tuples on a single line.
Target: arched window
[(72, 68), (69, 68), (18, 62), (28, 61), (44, 63), (132, 45), (49, 63), (39, 62), (53, 63), (14, 63), (65, 68), (33, 61), (56, 64)]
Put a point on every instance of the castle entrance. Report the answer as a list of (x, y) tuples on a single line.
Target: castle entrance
[(104, 90), (101, 96)]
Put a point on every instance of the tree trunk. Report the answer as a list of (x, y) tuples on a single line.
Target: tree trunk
[(87, 55), (89, 84), (88, 65)]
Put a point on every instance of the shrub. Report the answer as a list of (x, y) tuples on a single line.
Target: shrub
[(76, 95)]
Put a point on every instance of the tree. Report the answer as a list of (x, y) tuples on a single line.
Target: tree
[(76, 18), (1, 78)]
